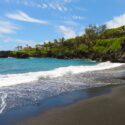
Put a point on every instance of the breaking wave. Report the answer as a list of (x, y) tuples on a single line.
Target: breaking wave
[(14, 79)]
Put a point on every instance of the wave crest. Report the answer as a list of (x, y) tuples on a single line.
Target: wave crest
[(14, 79)]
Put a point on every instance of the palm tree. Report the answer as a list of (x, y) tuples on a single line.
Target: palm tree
[(62, 40), (18, 48)]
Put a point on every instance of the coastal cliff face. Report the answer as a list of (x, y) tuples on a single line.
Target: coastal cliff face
[(98, 43), (5, 54), (113, 57)]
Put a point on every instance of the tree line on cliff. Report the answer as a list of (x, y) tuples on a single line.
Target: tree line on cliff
[(97, 43)]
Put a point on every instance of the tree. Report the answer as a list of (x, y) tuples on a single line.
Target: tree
[(18, 48), (62, 40)]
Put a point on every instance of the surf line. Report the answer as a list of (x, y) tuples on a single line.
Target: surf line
[(3, 102)]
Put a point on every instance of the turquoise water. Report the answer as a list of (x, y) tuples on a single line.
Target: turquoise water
[(25, 82), (14, 66)]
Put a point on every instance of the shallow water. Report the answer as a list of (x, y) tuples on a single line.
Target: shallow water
[(28, 81), (14, 66), (18, 115)]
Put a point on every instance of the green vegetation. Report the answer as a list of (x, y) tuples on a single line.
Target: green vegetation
[(96, 43), (108, 45)]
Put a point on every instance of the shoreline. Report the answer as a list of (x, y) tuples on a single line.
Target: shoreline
[(104, 109), (69, 58), (23, 114), (18, 115)]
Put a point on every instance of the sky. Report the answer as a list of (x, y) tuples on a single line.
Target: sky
[(33, 22)]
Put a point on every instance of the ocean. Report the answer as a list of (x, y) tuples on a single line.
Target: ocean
[(25, 82)]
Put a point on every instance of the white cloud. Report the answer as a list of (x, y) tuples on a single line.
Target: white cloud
[(116, 22), (21, 16), (44, 4), (23, 41), (7, 27), (56, 6), (67, 32), (8, 40), (82, 31), (70, 23)]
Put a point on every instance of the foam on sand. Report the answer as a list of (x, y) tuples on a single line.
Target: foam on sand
[(3, 102), (14, 79)]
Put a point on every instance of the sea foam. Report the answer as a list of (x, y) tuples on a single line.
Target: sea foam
[(3, 102), (14, 79)]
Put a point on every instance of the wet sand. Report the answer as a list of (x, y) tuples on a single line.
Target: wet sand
[(102, 110)]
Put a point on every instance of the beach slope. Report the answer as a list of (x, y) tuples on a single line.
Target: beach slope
[(103, 110)]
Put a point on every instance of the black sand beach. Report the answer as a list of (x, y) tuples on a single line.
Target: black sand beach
[(97, 105), (108, 109), (103, 110)]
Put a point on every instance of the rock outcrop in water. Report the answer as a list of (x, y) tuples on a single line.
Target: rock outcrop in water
[(5, 54)]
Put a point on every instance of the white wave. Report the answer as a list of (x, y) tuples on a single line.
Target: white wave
[(3, 102), (14, 79)]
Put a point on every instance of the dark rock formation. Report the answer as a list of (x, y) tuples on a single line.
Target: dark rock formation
[(5, 54), (118, 56), (21, 55)]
